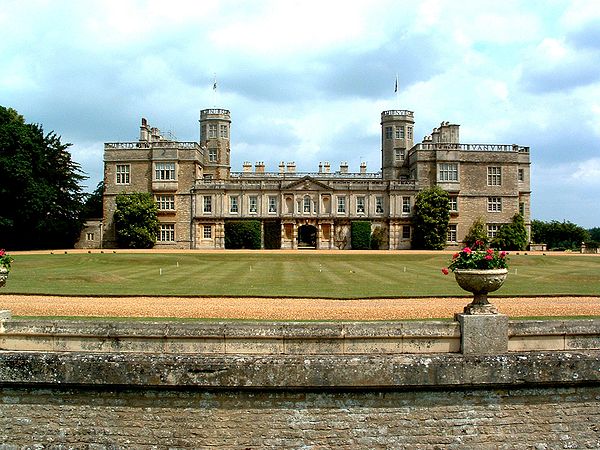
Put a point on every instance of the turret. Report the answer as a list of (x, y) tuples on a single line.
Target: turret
[(214, 139), (396, 140)]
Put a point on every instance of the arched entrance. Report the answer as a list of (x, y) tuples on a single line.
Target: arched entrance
[(307, 236)]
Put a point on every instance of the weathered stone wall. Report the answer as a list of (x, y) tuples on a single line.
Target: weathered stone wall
[(293, 338), (522, 401), (549, 418)]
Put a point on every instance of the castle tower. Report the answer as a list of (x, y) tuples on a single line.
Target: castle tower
[(214, 139), (396, 141)]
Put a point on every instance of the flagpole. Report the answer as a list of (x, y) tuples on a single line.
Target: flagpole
[(396, 90), (214, 90)]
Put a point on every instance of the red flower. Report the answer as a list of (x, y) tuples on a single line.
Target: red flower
[(456, 255), (502, 254), (2, 252), (489, 251), (445, 271), (467, 250), (489, 257)]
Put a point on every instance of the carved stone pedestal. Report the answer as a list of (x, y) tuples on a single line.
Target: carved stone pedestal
[(483, 334)]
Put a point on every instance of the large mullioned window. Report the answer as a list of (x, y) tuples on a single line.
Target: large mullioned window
[(164, 171), (448, 172), (166, 232), (494, 204), (122, 173), (494, 176), (165, 202)]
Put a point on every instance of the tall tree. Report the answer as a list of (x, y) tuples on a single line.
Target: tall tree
[(40, 194), (136, 220), (430, 219), (594, 234), (92, 208), (558, 235)]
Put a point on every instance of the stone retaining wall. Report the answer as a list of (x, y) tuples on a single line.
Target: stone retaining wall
[(242, 385), (128, 400)]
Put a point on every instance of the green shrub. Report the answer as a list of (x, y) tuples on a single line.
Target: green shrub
[(477, 232), (512, 236), (360, 235), (378, 238), (242, 234), (272, 234)]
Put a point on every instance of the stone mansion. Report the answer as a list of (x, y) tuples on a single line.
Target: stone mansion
[(197, 192)]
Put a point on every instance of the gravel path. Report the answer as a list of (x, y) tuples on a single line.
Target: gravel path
[(287, 309)]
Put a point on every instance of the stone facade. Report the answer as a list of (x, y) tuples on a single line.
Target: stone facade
[(197, 192), (91, 234)]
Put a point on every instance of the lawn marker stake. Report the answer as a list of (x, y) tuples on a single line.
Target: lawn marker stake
[(160, 271)]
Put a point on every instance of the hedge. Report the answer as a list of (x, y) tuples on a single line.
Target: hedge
[(360, 235), (242, 234)]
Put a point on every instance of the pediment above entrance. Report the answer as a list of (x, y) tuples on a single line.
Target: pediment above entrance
[(307, 183)]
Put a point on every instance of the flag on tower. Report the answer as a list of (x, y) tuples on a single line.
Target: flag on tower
[(396, 85)]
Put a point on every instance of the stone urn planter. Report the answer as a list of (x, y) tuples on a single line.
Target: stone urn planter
[(480, 282), (3, 276)]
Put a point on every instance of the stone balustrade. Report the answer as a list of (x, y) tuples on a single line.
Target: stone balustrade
[(472, 147), (333, 338)]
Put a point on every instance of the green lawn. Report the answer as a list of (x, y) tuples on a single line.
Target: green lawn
[(306, 274)]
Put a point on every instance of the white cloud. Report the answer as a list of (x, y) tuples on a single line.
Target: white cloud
[(297, 27), (586, 172), (579, 12)]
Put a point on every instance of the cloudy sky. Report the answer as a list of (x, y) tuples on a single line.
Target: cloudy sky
[(306, 81)]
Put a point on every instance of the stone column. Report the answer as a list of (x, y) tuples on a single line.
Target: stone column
[(262, 234), (295, 236)]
